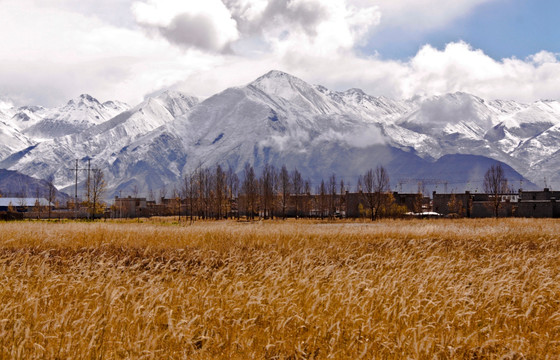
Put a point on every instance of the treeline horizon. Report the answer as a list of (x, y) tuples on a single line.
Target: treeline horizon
[(217, 193)]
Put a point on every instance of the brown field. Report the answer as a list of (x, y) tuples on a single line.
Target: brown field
[(453, 289)]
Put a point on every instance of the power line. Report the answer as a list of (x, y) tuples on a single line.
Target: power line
[(76, 169)]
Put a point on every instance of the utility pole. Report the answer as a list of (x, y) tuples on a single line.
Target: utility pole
[(88, 178), (75, 170), (91, 212)]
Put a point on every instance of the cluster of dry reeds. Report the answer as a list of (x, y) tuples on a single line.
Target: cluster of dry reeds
[(294, 290)]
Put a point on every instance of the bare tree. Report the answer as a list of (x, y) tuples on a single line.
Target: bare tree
[(285, 188), (209, 196), (162, 194), (250, 190), (205, 204), (306, 203), (97, 191), (220, 184), (176, 202), (495, 185), (88, 202), (360, 184), (332, 195), (38, 207), (267, 190), (22, 195), (51, 192), (455, 205), (189, 193), (342, 203), (200, 191), (417, 203), (297, 185), (233, 189), (375, 186), (323, 202)]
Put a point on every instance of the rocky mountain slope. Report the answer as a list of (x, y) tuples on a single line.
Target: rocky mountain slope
[(15, 184), (280, 119), (102, 142), (79, 114)]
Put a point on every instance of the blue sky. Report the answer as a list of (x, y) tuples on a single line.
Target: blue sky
[(502, 29)]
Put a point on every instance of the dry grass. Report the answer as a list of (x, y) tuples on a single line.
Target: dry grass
[(455, 289)]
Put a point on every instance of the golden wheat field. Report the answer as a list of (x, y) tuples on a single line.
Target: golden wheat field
[(450, 289)]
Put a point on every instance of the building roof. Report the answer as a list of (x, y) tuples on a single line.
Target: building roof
[(29, 202)]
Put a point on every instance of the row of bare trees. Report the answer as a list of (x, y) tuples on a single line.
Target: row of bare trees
[(217, 193), (279, 193), (374, 185), (209, 194)]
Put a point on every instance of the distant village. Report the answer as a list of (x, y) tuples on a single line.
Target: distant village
[(280, 194)]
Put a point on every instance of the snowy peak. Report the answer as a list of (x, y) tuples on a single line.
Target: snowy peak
[(117, 106), (88, 107), (282, 85), (451, 113), (276, 76), (279, 118), (177, 103), (84, 100), (6, 111), (27, 116), (524, 122), (103, 142), (293, 95), (75, 116), (11, 140)]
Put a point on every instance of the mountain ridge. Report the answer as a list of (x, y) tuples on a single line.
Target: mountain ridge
[(279, 118)]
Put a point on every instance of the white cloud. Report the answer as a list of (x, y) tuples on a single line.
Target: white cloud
[(5, 104), (59, 53), (311, 26), (458, 67), (204, 24), (53, 50)]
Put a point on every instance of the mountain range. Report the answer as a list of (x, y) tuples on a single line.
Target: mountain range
[(280, 119), (15, 184)]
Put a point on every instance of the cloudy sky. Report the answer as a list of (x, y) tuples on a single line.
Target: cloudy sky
[(54, 50)]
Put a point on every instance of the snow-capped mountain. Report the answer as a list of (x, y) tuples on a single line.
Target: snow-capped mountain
[(275, 119), (101, 142), (14, 184), (27, 116), (280, 119), (76, 116), (28, 125), (521, 135), (11, 140)]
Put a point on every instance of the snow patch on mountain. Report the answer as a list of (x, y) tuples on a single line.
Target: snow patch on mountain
[(76, 116), (102, 142), (11, 140), (280, 119)]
